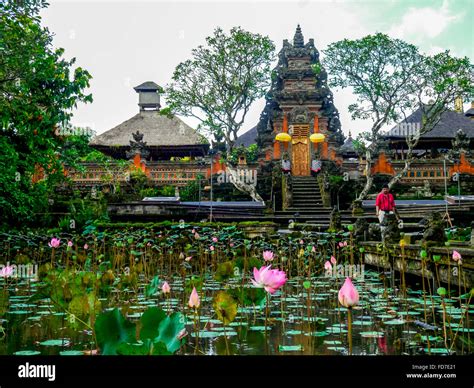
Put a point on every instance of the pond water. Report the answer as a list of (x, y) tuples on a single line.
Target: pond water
[(55, 314), (300, 321)]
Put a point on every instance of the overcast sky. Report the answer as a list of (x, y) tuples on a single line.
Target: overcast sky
[(125, 43)]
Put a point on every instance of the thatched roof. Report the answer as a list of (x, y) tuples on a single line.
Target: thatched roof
[(158, 130), (446, 128)]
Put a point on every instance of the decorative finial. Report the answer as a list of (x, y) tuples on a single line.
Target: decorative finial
[(350, 134), (298, 40)]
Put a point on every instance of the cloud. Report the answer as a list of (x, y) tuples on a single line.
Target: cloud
[(427, 22)]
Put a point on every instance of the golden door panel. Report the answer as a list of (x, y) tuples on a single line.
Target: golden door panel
[(300, 157)]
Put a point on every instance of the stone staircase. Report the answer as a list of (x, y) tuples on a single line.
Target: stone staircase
[(307, 205)]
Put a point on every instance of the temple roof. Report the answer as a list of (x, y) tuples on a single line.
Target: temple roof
[(446, 128), (348, 146), (248, 138), (298, 40), (158, 130), (147, 86)]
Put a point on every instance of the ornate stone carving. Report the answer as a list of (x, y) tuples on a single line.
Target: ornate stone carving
[(137, 146)]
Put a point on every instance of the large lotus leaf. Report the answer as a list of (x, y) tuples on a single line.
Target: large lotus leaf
[(152, 288), (169, 329), (150, 322), (111, 330), (225, 307)]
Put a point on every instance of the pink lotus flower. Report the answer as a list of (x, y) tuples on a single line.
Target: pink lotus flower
[(333, 260), (345, 243), (6, 272), (148, 244), (166, 288), (231, 245), (457, 257), (341, 244), (269, 279), (69, 244), (267, 255), (214, 239), (86, 246), (188, 258), (194, 301), (211, 247), (54, 243), (328, 266), (348, 294), (196, 236), (313, 249), (193, 231), (160, 235), (301, 242)]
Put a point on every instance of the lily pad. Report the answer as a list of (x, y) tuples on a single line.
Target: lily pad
[(27, 353), (290, 348), (57, 342), (71, 353)]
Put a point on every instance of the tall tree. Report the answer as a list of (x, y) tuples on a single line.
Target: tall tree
[(38, 90), (221, 81), (391, 78)]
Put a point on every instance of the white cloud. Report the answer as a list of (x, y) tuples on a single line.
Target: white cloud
[(427, 22)]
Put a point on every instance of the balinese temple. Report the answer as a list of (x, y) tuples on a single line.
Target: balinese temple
[(298, 105), (164, 147), (450, 142), (165, 137)]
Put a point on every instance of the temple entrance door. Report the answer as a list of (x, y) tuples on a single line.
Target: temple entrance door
[(300, 157), (300, 151)]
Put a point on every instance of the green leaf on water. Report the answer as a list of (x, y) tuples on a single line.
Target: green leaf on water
[(58, 342), (71, 353), (441, 291), (169, 329), (27, 353), (290, 348), (152, 288), (112, 329), (150, 321)]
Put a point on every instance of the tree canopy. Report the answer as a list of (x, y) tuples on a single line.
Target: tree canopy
[(391, 79), (221, 81), (38, 90)]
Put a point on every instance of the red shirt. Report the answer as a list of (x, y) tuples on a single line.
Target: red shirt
[(385, 202)]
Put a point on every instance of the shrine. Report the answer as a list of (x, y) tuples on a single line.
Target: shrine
[(299, 118)]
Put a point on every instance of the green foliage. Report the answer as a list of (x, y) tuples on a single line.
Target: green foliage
[(218, 85), (111, 330), (224, 271), (190, 192), (250, 153), (159, 333), (391, 79), (39, 90)]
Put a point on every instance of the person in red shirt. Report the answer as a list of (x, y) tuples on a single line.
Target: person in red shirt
[(384, 203)]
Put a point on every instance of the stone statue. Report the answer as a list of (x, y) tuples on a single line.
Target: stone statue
[(137, 146), (335, 220), (433, 228)]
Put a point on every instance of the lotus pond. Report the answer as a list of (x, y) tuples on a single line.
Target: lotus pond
[(188, 289)]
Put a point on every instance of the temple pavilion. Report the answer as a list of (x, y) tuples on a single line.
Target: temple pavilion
[(165, 136)]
